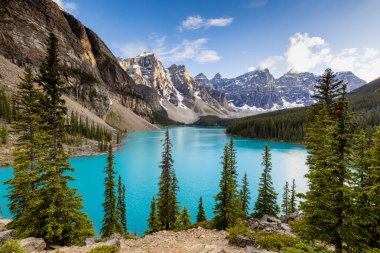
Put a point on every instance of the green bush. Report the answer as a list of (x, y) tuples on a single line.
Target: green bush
[(297, 225), (274, 241), (105, 249), (11, 247), (241, 229), (303, 247)]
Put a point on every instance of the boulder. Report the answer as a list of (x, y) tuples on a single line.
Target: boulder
[(89, 241), (6, 235), (4, 223), (267, 218), (32, 244), (114, 239), (252, 249), (244, 241)]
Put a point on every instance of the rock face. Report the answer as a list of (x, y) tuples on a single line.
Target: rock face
[(268, 223), (258, 90), (6, 235), (32, 244), (88, 65), (173, 85)]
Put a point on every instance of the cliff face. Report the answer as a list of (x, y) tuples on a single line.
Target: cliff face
[(88, 65)]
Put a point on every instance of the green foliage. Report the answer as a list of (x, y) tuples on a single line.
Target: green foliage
[(154, 224), (111, 213), (201, 215), (11, 247), (327, 202), (227, 202), (121, 206), (167, 202), (293, 198), (245, 195), (266, 202), (41, 201), (161, 118), (77, 128), (274, 241), (211, 120), (5, 107), (105, 249), (303, 247), (297, 225), (4, 134), (239, 228), (183, 220), (285, 200)]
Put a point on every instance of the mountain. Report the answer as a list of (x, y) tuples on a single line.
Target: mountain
[(88, 67), (258, 90), (364, 101), (175, 91)]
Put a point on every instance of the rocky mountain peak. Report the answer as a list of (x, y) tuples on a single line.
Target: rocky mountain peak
[(181, 79), (202, 80)]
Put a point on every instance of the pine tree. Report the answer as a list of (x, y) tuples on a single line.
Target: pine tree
[(245, 195), (266, 202), (28, 150), (201, 215), (285, 200), (292, 201), (227, 203), (328, 140), (121, 206), (55, 211), (154, 224), (168, 187), (4, 134), (111, 213), (183, 221)]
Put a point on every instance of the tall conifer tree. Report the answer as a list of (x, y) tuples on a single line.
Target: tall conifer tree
[(28, 149), (328, 140), (286, 200), (293, 196), (55, 212), (111, 213), (154, 224), (227, 203), (266, 202), (167, 202), (201, 215), (245, 195), (183, 221), (122, 208)]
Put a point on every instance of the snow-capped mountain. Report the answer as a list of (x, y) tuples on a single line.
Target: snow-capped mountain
[(259, 90), (176, 91)]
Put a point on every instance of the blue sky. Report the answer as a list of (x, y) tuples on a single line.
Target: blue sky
[(234, 36)]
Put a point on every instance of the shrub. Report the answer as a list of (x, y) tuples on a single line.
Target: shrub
[(105, 249), (304, 247), (274, 241), (297, 225), (11, 247), (241, 229)]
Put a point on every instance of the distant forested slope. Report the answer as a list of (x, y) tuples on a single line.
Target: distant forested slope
[(288, 125)]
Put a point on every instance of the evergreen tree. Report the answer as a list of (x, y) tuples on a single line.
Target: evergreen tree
[(154, 224), (266, 202), (201, 215), (285, 200), (227, 203), (183, 221), (121, 206), (168, 187), (55, 210), (245, 195), (28, 149), (328, 140), (111, 213), (292, 201), (4, 134)]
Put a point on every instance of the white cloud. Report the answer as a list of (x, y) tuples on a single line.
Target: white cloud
[(195, 50), (313, 54), (305, 52), (271, 63), (197, 22), (207, 56), (251, 69), (67, 6), (132, 49)]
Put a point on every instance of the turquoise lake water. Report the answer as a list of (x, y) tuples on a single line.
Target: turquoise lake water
[(196, 153)]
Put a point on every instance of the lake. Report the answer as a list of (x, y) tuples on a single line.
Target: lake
[(197, 155)]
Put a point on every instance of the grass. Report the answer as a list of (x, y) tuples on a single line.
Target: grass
[(11, 247), (105, 249)]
